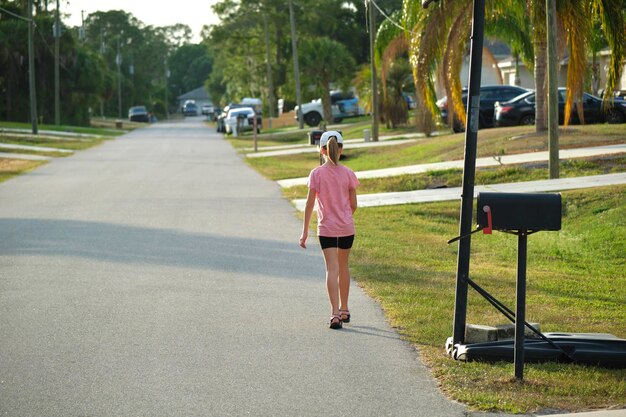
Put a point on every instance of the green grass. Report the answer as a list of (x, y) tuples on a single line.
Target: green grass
[(576, 283), (484, 176), (491, 142), (576, 277), (10, 168), (350, 129), (63, 128)]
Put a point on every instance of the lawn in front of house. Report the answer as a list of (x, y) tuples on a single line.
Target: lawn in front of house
[(576, 278)]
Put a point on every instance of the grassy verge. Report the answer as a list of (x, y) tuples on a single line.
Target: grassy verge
[(350, 129), (492, 142), (104, 130), (576, 283), (576, 278), (484, 176), (10, 168)]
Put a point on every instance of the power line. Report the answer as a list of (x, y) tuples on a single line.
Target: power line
[(389, 18)]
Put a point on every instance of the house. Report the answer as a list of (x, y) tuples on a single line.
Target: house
[(527, 79), (199, 95)]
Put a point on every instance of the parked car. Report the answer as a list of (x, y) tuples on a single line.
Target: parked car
[(410, 101), (224, 113), (246, 115), (207, 109), (489, 94), (190, 108), (138, 114), (343, 105), (521, 110)]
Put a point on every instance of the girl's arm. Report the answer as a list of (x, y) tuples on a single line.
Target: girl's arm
[(353, 200), (308, 212)]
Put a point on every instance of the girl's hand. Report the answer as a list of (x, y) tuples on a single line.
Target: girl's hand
[(303, 240)]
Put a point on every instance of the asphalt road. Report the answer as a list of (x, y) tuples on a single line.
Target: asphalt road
[(158, 275)]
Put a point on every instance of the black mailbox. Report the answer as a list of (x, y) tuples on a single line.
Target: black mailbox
[(316, 135), (519, 211)]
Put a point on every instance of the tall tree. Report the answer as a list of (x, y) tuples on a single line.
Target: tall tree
[(449, 21), (325, 62)]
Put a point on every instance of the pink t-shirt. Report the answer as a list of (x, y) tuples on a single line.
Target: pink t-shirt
[(332, 185)]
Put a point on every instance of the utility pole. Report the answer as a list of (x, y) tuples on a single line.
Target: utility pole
[(372, 19), (167, 77), (296, 68), (553, 91), (81, 30), (31, 68), (270, 83), (57, 85), (118, 61)]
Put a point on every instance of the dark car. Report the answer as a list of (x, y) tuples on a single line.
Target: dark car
[(521, 110), (190, 109), (138, 114), (489, 95)]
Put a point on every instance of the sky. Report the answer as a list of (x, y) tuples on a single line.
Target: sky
[(194, 13)]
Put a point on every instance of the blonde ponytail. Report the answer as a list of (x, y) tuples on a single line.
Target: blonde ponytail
[(332, 147)]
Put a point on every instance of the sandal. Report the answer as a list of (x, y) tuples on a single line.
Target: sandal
[(335, 322), (345, 315)]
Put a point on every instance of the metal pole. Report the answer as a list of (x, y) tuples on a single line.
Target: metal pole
[(31, 69), (372, 27), (296, 68), (520, 305), (57, 88), (255, 127), (118, 61), (469, 172), (270, 84), (167, 77), (553, 91)]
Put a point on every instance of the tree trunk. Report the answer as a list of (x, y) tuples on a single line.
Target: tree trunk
[(326, 104), (553, 90), (540, 83)]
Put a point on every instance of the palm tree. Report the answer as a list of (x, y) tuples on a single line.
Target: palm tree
[(323, 62), (438, 39)]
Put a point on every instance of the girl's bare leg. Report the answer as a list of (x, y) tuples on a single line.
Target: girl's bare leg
[(343, 256), (331, 260)]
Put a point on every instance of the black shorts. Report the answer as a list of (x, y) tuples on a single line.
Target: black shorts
[(343, 242)]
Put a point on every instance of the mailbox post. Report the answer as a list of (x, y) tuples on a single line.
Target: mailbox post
[(520, 214)]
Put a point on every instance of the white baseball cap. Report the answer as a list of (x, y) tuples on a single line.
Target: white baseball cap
[(327, 135)]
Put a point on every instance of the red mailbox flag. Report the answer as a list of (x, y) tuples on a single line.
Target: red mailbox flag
[(487, 230)]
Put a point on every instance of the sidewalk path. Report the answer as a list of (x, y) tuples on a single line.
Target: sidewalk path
[(447, 194), (347, 141), (480, 162), (27, 157), (34, 148)]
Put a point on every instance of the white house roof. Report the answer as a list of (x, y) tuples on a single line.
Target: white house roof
[(199, 94)]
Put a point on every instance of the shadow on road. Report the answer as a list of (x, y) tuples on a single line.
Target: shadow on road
[(105, 242)]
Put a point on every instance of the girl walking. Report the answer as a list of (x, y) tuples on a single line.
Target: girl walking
[(333, 187)]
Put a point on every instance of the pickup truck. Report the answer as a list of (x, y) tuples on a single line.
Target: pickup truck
[(342, 106)]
